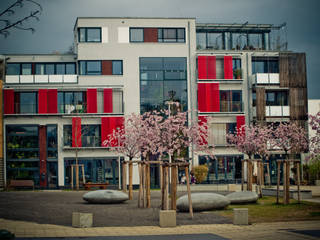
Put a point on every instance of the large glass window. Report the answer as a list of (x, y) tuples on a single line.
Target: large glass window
[(265, 65), (90, 67), (89, 34), (22, 149), (171, 35), (13, 69), (26, 102), (90, 136), (136, 34), (52, 142), (72, 102), (277, 98), (55, 68), (161, 80), (26, 69), (230, 101)]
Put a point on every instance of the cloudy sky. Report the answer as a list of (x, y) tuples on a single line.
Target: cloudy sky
[(54, 30)]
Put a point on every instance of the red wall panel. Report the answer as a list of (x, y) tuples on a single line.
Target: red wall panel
[(215, 97), (92, 101), (52, 101), (202, 67), (43, 155), (43, 101), (108, 124), (228, 71), (76, 132), (107, 100), (211, 65), (202, 97), (8, 101), (203, 120), (150, 35), (106, 67), (241, 121)]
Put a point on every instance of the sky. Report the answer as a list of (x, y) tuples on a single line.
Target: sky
[(54, 30)]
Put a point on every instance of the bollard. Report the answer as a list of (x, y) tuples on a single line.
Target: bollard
[(82, 220), (240, 216)]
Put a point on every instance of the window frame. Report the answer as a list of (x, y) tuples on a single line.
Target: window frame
[(86, 34), (86, 67), (174, 40), (135, 28)]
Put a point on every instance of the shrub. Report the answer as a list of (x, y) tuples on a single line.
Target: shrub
[(200, 173)]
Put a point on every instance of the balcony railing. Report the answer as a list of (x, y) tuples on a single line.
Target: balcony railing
[(275, 111), (35, 79), (231, 106), (266, 78)]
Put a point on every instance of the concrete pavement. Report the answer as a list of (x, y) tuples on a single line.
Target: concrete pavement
[(272, 231)]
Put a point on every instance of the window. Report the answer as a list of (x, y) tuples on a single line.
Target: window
[(55, 68), (136, 34), (89, 34), (236, 66), (162, 79), (105, 67), (116, 67), (230, 101), (67, 135), (52, 142), (171, 35), (72, 102), (265, 65), (13, 69), (210, 40), (90, 136), (277, 98), (26, 69), (90, 67), (22, 149), (26, 102)]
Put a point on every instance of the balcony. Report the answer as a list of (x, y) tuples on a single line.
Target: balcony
[(275, 111), (38, 79), (266, 78)]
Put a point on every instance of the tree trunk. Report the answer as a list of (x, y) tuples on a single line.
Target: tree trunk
[(124, 177), (189, 191), (148, 185), (249, 180), (287, 183), (162, 185), (161, 176), (268, 172), (144, 170), (278, 180), (130, 179), (140, 198), (298, 180), (242, 174), (77, 170), (173, 188), (166, 188)]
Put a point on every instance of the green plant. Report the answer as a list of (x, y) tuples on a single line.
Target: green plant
[(200, 173), (237, 73)]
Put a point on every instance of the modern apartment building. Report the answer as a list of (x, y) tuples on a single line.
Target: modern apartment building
[(57, 103)]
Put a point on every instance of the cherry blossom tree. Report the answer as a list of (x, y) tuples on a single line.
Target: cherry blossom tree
[(314, 122), (250, 140), (292, 139), (130, 144)]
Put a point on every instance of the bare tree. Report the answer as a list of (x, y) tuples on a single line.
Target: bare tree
[(6, 24)]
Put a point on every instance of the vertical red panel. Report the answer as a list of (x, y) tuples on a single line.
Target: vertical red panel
[(212, 73), (215, 97), (150, 35), (43, 155), (8, 101), (108, 124), (42, 101), (33, 69), (202, 67), (228, 71), (52, 100), (92, 101), (203, 120), (241, 121), (107, 100), (209, 100), (76, 132), (201, 97)]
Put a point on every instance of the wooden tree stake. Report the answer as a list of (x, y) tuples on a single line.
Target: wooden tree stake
[(189, 191), (298, 180), (242, 174), (140, 198), (148, 185), (124, 177), (173, 188), (130, 180), (278, 180)]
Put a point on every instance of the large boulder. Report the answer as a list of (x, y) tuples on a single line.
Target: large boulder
[(105, 196), (202, 202), (242, 197)]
